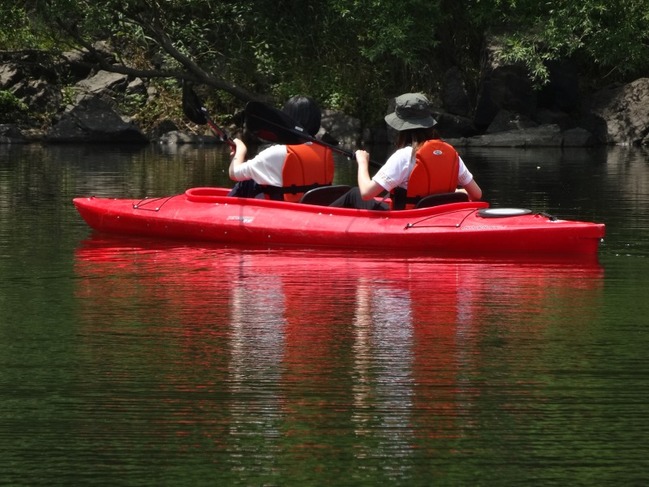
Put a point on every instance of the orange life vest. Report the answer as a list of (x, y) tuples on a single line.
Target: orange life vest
[(306, 166), (436, 170)]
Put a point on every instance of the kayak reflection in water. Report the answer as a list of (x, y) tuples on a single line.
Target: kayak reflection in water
[(422, 165), (284, 172)]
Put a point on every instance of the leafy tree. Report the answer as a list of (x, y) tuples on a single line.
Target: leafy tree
[(11, 108), (349, 54), (606, 37)]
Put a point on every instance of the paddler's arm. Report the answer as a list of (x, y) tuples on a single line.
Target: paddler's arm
[(473, 190), (238, 157), (368, 187)]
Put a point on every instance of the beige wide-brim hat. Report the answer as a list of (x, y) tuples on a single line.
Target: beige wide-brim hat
[(412, 111)]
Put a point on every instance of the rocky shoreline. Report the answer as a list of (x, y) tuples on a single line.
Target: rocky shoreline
[(508, 112)]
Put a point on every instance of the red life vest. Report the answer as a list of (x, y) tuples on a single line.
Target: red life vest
[(436, 171), (306, 166)]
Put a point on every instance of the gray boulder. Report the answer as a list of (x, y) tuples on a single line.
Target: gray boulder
[(94, 120), (542, 136), (102, 83), (578, 137), (449, 125), (506, 121), (342, 128), (11, 134), (176, 137), (624, 112)]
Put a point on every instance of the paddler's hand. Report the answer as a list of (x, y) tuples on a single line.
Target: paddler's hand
[(367, 187), (239, 151), (362, 159)]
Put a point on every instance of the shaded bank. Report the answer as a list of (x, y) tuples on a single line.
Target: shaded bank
[(70, 102)]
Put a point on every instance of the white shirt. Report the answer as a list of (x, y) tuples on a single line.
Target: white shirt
[(265, 168), (396, 171)]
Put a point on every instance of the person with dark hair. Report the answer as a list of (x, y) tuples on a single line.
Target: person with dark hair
[(422, 165), (284, 172)]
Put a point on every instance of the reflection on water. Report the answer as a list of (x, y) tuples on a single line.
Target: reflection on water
[(131, 362), (387, 361)]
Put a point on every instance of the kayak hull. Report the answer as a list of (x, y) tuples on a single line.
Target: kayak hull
[(208, 214)]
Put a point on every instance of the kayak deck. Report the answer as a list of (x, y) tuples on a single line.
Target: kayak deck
[(467, 228)]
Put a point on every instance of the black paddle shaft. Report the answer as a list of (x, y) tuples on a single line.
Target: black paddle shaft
[(274, 125)]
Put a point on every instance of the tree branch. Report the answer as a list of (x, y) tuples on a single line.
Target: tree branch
[(194, 72)]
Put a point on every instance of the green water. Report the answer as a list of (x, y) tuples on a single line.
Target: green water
[(131, 362)]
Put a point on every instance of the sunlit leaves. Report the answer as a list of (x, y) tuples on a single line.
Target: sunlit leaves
[(346, 53), (603, 35)]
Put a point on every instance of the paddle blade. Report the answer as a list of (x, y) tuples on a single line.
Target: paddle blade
[(192, 105), (197, 113), (273, 125)]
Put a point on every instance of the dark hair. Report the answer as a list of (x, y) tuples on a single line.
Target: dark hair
[(414, 137), (305, 111)]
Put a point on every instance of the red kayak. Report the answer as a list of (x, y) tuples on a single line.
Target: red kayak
[(460, 228)]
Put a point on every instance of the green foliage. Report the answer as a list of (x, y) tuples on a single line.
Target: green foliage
[(17, 31), (349, 54), (604, 36), (147, 111), (11, 108)]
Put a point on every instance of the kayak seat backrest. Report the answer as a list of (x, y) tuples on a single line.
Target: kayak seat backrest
[(442, 199), (435, 171), (324, 195), (306, 165)]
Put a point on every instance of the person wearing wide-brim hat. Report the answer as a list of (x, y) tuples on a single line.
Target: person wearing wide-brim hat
[(413, 121)]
